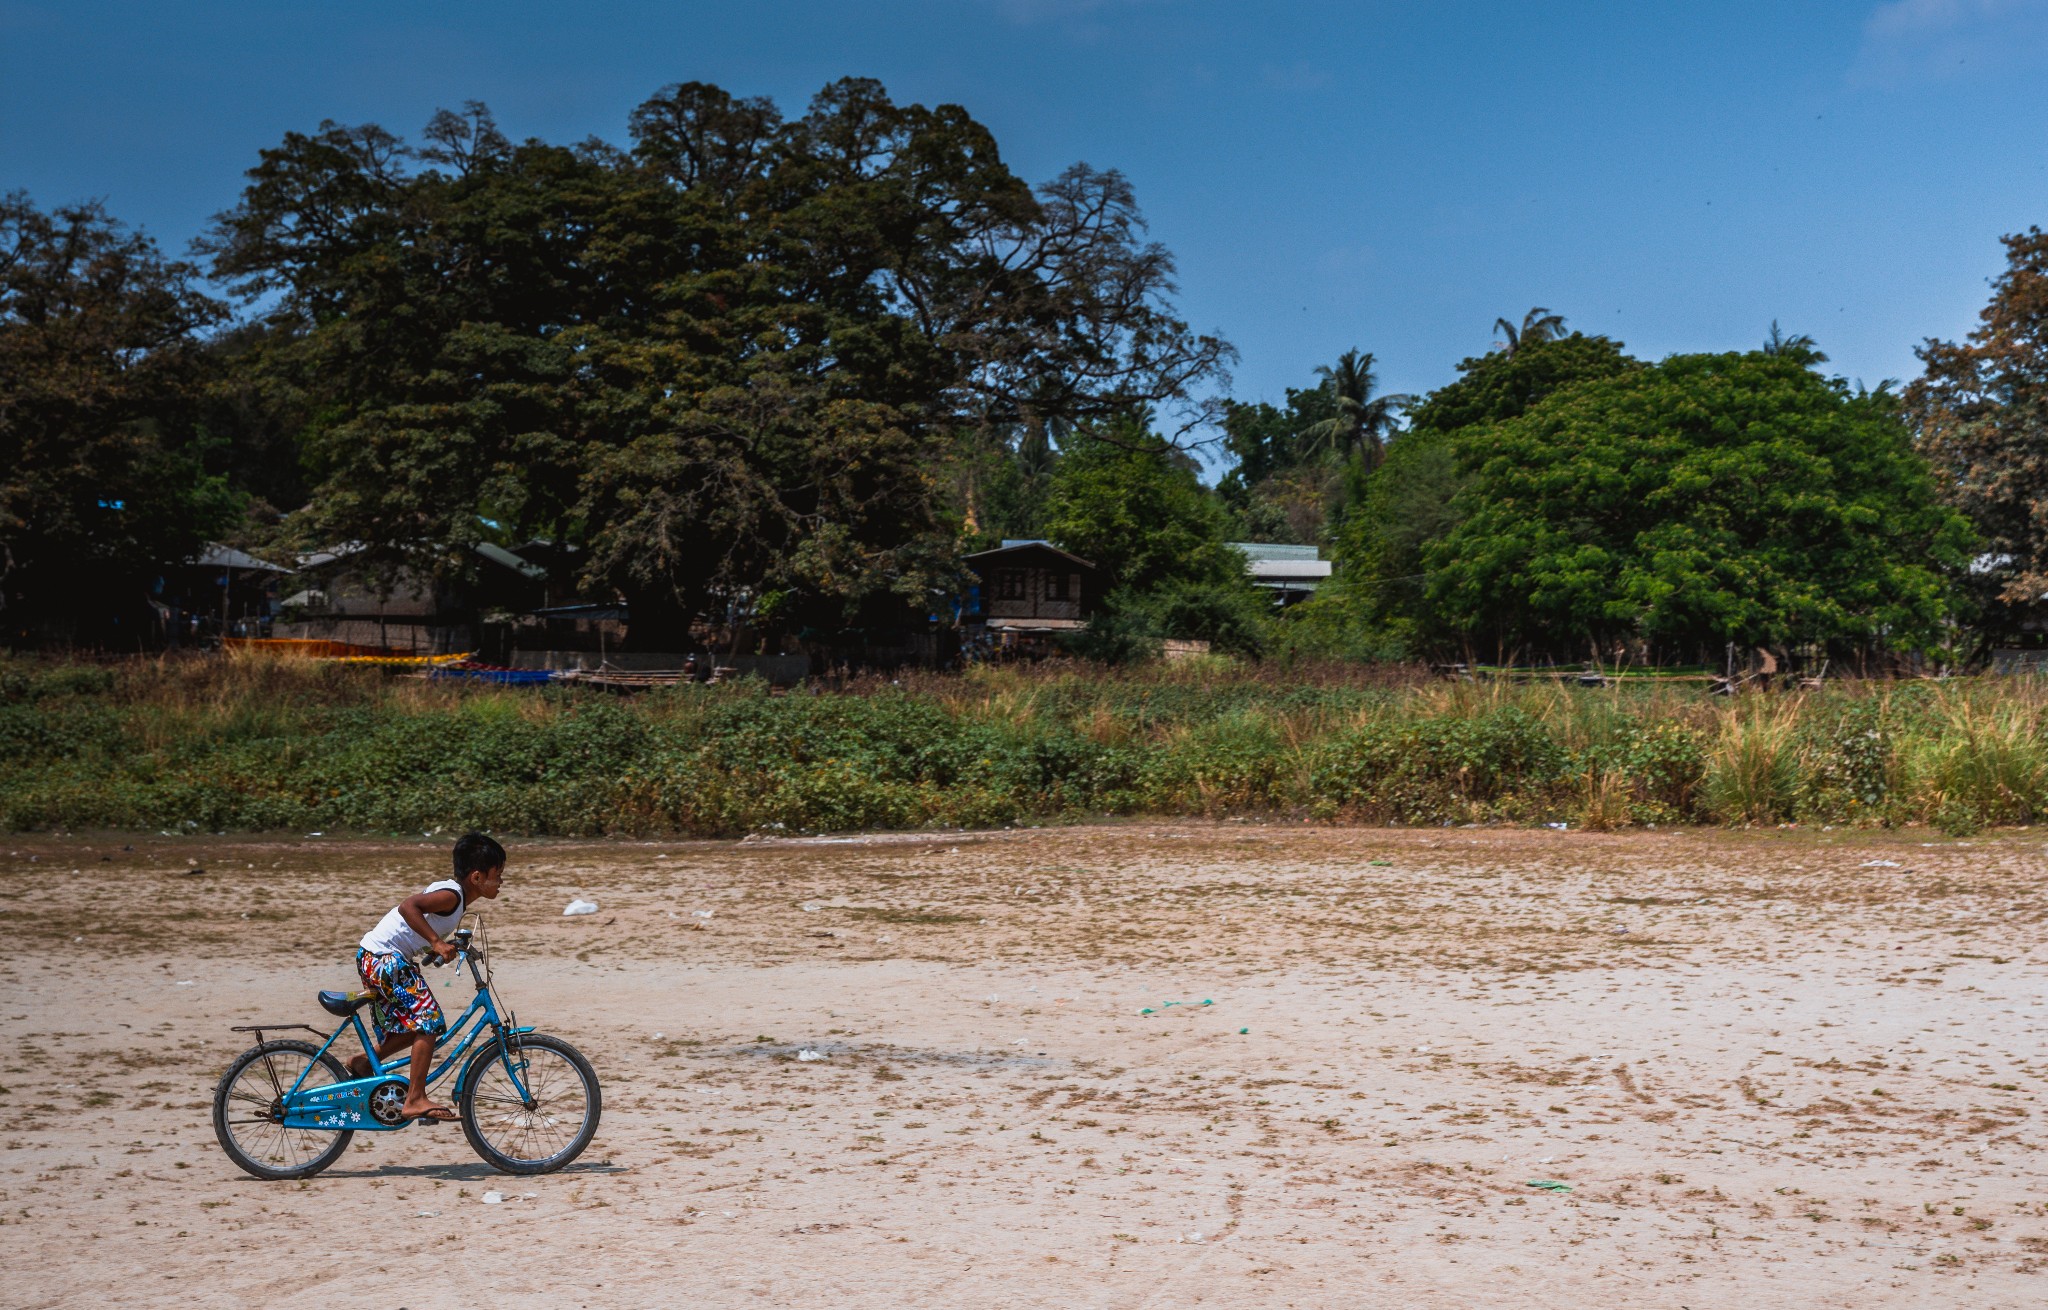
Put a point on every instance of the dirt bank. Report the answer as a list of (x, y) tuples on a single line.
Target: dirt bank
[(1805, 1075)]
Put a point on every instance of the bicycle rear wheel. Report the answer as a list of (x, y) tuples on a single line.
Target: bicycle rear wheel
[(540, 1132), (248, 1111)]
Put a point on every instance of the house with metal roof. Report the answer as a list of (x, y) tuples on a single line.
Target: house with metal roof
[(1294, 572)]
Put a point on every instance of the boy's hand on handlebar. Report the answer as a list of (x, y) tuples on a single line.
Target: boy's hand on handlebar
[(446, 950)]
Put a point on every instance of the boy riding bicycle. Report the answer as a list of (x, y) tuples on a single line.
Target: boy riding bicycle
[(388, 959)]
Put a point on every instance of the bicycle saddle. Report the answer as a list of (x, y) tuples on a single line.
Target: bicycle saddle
[(345, 1003)]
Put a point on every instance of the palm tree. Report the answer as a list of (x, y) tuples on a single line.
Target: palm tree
[(1539, 324), (1363, 421), (1798, 347)]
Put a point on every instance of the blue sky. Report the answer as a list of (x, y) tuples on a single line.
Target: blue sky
[(1386, 176)]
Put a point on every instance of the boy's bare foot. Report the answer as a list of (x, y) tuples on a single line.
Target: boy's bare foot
[(358, 1066)]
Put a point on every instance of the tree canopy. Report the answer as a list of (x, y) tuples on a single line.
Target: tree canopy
[(730, 361), (1138, 510), (1132, 503), (1495, 387), (102, 480), (1412, 500), (1981, 410), (1705, 499), (746, 368)]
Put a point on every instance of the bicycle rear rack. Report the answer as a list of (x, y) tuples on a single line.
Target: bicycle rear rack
[(260, 1028)]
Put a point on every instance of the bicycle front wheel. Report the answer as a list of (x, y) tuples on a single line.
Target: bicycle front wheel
[(248, 1111), (546, 1128)]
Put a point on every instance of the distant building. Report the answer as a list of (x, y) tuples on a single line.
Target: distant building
[(221, 592), (1293, 572), (439, 617), (1034, 587)]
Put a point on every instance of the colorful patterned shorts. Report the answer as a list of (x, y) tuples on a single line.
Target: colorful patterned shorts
[(403, 1004)]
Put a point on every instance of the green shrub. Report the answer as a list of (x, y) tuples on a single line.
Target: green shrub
[(207, 745)]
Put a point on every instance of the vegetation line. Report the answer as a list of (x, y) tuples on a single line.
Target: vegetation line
[(261, 744)]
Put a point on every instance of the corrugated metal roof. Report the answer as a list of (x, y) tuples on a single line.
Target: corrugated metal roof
[(1288, 570), (506, 559), (217, 556), (1258, 550)]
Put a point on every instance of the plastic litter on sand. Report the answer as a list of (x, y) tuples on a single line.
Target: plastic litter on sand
[(579, 906), (807, 1055), (1168, 1005), (1548, 1185), (494, 1198)]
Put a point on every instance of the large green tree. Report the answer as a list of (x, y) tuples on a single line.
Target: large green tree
[(1363, 419), (1498, 386), (1278, 486), (102, 481), (1981, 413), (1132, 503), (1705, 499), (736, 362), (1538, 325), (1295, 468), (1378, 601)]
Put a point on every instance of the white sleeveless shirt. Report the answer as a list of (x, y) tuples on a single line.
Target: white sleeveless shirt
[(394, 936)]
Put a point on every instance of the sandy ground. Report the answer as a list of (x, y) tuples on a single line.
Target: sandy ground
[(1806, 1075)]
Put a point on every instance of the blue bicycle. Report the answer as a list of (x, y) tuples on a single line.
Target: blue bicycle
[(529, 1103)]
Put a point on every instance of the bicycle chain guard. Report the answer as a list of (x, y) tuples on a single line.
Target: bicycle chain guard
[(363, 1104)]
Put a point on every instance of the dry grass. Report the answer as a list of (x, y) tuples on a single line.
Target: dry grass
[(252, 741)]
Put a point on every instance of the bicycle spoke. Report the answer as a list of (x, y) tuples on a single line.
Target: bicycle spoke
[(275, 1086), (546, 1121), (259, 1130)]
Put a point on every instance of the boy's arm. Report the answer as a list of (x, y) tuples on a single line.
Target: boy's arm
[(414, 909)]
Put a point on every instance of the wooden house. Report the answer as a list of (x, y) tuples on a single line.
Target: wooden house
[(1035, 587), (418, 616)]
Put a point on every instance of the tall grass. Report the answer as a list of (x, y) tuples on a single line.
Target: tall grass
[(252, 743), (1752, 762)]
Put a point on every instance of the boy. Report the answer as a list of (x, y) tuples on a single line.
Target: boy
[(404, 1012)]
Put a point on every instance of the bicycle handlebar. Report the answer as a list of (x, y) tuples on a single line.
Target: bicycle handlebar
[(459, 940)]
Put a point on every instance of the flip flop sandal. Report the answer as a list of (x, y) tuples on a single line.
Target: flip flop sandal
[(439, 1114)]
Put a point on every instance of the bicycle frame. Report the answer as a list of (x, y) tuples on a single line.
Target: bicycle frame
[(345, 1105)]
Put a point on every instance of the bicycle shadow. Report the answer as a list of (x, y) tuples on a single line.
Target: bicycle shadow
[(468, 1171)]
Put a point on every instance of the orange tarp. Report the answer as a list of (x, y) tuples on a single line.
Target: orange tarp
[(313, 649)]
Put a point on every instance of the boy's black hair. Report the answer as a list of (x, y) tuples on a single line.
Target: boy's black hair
[(474, 853)]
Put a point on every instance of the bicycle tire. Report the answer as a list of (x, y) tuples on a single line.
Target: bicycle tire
[(224, 1092), (478, 1070)]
